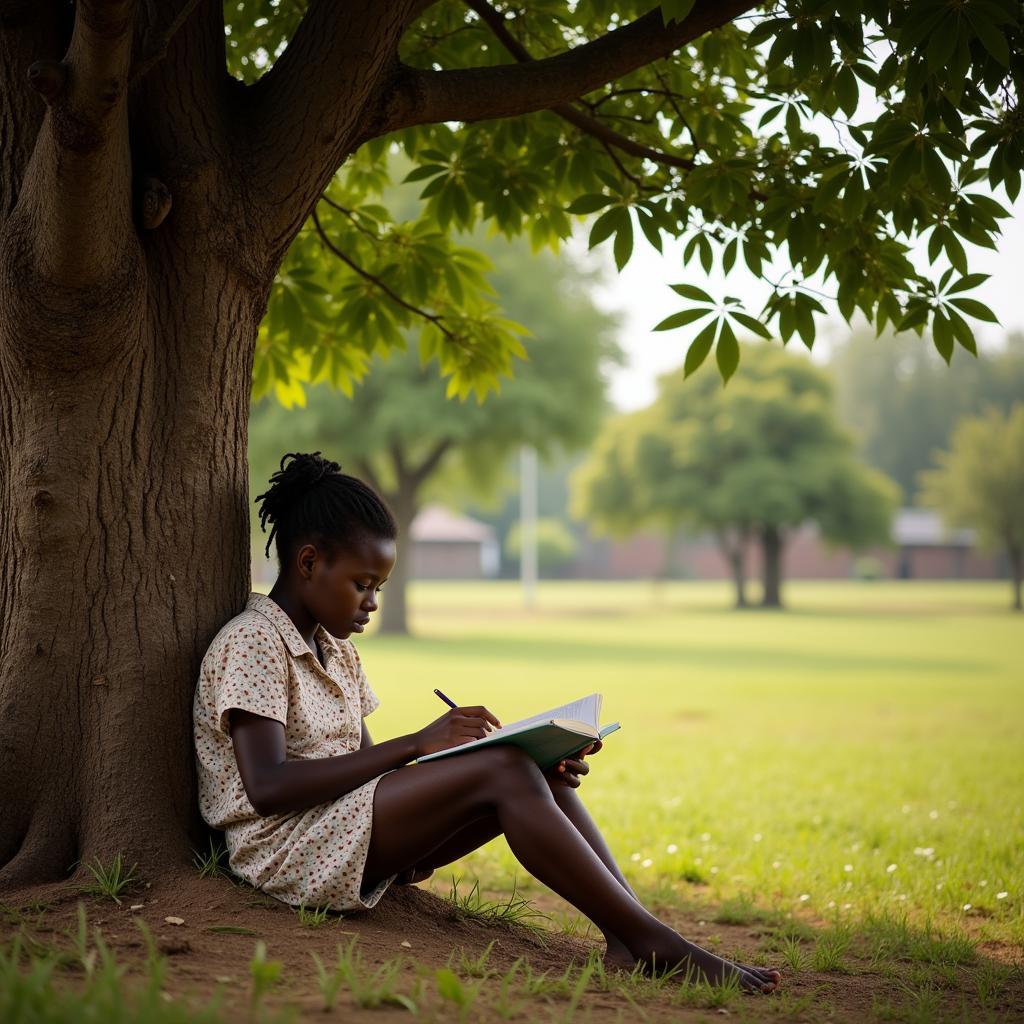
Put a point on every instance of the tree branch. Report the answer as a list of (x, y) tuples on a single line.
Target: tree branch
[(421, 96), (496, 22), (308, 113), (435, 318), (429, 464), (77, 192)]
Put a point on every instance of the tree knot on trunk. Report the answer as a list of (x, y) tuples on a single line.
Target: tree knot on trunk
[(48, 78), (153, 202)]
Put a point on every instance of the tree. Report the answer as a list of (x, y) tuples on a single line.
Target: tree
[(897, 397), (168, 169), (752, 461), (979, 483), (399, 431)]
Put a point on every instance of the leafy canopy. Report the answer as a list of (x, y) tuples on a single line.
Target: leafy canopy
[(814, 142), (765, 452), (398, 429)]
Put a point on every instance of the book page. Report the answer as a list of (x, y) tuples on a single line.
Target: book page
[(586, 709)]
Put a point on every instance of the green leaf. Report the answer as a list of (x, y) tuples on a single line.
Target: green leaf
[(846, 90), (942, 337), (604, 226), (751, 323), (622, 248), (967, 282), (972, 307), (991, 37), (689, 291), (727, 351), (699, 348), (425, 171), (590, 203), (681, 319)]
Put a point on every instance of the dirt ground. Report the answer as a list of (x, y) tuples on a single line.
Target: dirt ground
[(221, 922)]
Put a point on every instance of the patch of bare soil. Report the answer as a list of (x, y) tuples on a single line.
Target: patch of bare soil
[(221, 922)]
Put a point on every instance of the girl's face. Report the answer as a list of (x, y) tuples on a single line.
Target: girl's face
[(342, 595)]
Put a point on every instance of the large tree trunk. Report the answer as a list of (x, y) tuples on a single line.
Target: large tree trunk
[(126, 345), (771, 567)]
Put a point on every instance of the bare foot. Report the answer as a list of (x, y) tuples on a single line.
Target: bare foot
[(707, 966)]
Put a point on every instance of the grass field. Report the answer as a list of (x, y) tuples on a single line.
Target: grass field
[(857, 754), (836, 789)]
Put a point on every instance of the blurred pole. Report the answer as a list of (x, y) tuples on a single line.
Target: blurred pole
[(528, 523)]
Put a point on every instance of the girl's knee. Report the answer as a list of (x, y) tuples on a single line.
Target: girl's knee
[(507, 765)]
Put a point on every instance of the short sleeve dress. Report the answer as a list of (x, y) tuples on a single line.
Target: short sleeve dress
[(258, 662)]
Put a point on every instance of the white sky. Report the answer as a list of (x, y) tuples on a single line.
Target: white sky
[(641, 296)]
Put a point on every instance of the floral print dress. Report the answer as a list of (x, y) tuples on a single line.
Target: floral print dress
[(258, 662)]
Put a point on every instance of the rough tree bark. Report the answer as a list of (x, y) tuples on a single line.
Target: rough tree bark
[(146, 201), (771, 566), (135, 265)]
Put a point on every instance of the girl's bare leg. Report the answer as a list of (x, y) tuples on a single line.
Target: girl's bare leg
[(418, 808)]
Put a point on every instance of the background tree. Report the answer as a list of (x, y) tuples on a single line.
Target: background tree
[(897, 397), (979, 483), (754, 460), (399, 431), (159, 165)]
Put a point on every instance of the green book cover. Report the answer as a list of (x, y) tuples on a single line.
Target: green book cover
[(548, 737)]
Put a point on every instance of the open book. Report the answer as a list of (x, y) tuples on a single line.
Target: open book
[(548, 737)]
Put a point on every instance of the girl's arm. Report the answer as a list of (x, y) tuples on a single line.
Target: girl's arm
[(275, 785)]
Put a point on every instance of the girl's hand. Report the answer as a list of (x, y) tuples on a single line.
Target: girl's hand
[(455, 727), (570, 771)]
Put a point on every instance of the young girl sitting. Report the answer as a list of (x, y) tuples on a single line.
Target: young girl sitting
[(315, 812)]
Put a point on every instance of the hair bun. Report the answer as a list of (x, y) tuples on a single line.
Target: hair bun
[(306, 470)]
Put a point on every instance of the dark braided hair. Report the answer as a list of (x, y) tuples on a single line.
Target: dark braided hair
[(311, 499)]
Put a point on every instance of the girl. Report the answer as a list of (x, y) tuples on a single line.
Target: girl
[(315, 812)]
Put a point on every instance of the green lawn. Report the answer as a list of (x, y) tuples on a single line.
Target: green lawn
[(858, 754)]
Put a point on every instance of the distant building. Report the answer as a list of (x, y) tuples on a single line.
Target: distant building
[(446, 545), (922, 548)]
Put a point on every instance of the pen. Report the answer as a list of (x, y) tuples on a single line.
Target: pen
[(447, 701)]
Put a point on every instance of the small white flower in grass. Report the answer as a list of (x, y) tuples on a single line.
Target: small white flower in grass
[(646, 863), (890, 869), (939, 885), (849, 885), (816, 820), (776, 864), (757, 837), (983, 883), (804, 897), (698, 860), (634, 856), (933, 815), (847, 867), (902, 898), (671, 848), (905, 808), (967, 906), (847, 906), (1001, 895), (831, 904), (714, 871), (705, 836)]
